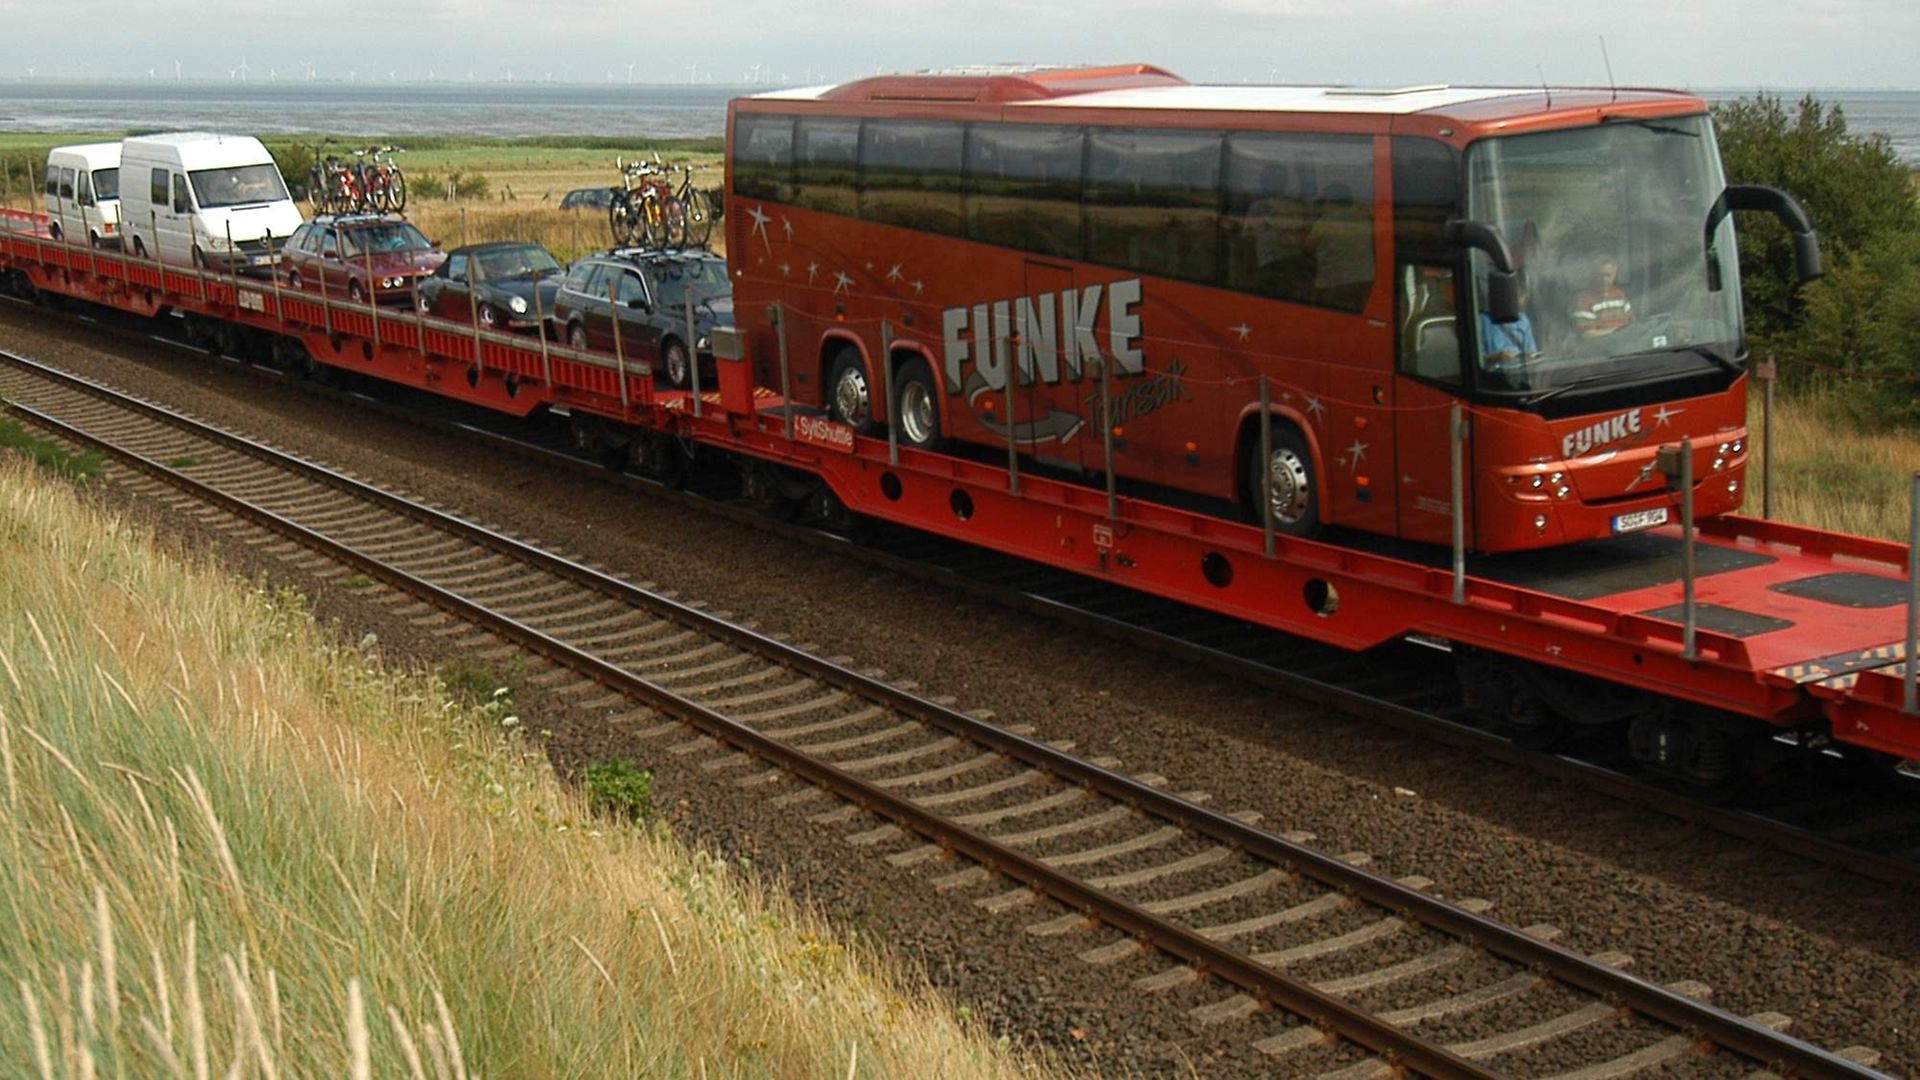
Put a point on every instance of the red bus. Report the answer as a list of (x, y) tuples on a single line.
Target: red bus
[(1109, 269)]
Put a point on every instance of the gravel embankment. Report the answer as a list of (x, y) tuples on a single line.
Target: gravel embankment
[(1837, 954)]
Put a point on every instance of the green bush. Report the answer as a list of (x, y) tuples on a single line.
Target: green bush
[(466, 186), (1863, 317), (619, 788)]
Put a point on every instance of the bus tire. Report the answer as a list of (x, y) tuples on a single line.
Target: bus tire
[(916, 405), (850, 391), (1295, 498)]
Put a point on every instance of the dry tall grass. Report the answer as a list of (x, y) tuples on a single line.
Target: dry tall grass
[(1832, 471), (230, 845)]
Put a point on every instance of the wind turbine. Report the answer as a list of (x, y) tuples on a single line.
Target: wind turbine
[(241, 71), (392, 76), (309, 66), (149, 74), (273, 74), (693, 74), (630, 68), (176, 71)]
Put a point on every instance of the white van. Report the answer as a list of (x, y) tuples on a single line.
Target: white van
[(83, 193), (213, 200)]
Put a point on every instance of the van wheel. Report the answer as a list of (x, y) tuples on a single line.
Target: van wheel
[(577, 337), (199, 259), (53, 230), (1294, 500), (93, 239), (139, 247), (916, 405), (850, 392)]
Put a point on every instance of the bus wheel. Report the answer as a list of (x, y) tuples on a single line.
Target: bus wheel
[(1294, 501), (850, 392), (916, 405)]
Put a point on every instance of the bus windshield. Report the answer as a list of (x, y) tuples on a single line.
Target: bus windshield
[(237, 186), (1607, 227)]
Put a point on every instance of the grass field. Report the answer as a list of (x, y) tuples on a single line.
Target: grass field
[(1832, 470), (235, 847)]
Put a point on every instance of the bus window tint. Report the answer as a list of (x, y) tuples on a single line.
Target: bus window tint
[(910, 174), (1426, 194), (763, 157), (1297, 219), (1023, 185), (1153, 201), (825, 154)]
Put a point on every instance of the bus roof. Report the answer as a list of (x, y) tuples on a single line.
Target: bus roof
[(1140, 86)]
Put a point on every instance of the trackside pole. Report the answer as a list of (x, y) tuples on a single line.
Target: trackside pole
[(778, 315), (1106, 437), (1457, 468), (1911, 696), (1013, 449), (693, 354), (886, 389), (1265, 494), (1766, 371)]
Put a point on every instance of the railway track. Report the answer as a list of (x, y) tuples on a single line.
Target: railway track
[(1323, 964)]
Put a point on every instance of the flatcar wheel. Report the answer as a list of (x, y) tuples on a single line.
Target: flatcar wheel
[(1690, 755)]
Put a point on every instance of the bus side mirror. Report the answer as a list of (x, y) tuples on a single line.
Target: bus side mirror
[(1806, 242), (1503, 296)]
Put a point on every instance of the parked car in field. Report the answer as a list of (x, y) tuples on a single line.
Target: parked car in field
[(360, 255), (648, 290), (83, 193), (512, 285), (587, 198)]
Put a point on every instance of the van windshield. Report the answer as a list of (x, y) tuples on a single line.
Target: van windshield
[(106, 184), (237, 186)]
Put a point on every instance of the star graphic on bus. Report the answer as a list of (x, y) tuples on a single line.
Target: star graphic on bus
[(786, 269), (1665, 415), (919, 287), (786, 227), (813, 271), (760, 218), (841, 282), (894, 274), (1355, 454), (1243, 330), (1314, 408)]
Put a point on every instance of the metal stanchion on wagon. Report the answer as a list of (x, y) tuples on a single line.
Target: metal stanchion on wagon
[(693, 352), (1003, 345), (1266, 466), (1457, 469), (778, 314), (1910, 698), (1106, 438), (1677, 464), (886, 391), (1767, 371)]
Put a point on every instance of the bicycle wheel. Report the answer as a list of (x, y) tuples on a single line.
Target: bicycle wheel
[(697, 212), (620, 219), (396, 190), (673, 222), (317, 189)]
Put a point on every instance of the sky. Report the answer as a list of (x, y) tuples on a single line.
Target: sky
[(1699, 44)]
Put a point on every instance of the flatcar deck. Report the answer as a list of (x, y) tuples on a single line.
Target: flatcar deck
[(1799, 628)]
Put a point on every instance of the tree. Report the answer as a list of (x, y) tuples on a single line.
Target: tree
[(1862, 315)]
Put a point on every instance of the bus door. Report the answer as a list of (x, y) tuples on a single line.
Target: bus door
[(1052, 421), (1429, 381)]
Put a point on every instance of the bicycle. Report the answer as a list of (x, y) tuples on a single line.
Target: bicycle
[(644, 211), (695, 211), (382, 180), (334, 187)]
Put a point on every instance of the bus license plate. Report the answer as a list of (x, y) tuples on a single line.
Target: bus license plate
[(1639, 519)]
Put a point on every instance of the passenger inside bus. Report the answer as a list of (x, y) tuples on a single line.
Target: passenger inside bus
[(1506, 346), (1604, 307)]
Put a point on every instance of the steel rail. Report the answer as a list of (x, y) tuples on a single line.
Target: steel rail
[(1752, 1040)]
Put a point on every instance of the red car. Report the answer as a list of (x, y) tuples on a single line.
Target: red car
[(360, 255)]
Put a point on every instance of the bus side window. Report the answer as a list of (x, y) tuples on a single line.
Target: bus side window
[(1153, 200), (1297, 218), (826, 151), (910, 174), (1023, 187), (1429, 324), (763, 157)]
